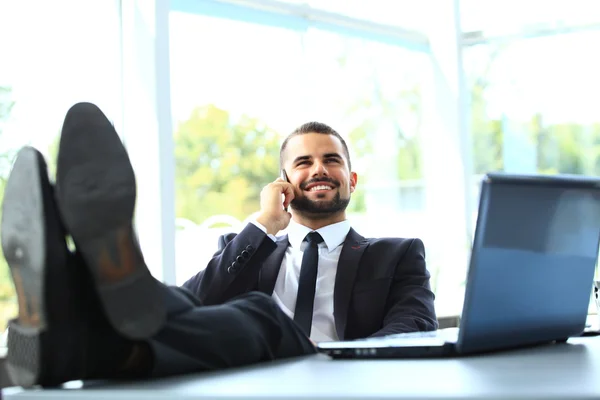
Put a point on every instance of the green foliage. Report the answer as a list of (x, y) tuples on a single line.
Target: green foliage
[(566, 148), (52, 157), (358, 203), (486, 135), (569, 148), (409, 164), (409, 159), (408, 150), (222, 164)]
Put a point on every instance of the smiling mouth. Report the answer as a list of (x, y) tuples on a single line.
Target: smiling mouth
[(320, 188)]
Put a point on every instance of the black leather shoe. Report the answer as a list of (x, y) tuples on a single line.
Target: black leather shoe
[(60, 333), (96, 192)]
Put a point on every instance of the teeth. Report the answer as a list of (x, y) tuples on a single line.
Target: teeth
[(320, 187)]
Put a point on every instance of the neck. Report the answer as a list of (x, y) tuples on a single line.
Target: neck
[(316, 221)]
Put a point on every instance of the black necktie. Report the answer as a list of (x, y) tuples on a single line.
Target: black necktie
[(307, 282)]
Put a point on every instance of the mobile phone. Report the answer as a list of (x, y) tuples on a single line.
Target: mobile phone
[(285, 178)]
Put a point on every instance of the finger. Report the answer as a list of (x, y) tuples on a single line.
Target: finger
[(286, 203), (284, 187), (288, 196)]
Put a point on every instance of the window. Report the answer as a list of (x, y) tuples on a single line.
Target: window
[(534, 105), (234, 86), (238, 88), (494, 17), (51, 60), (401, 13)]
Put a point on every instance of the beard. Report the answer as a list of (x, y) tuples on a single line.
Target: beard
[(306, 206)]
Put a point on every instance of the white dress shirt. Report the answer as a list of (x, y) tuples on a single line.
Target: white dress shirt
[(286, 286)]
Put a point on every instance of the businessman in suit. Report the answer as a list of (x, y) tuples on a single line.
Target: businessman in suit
[(360, 287)]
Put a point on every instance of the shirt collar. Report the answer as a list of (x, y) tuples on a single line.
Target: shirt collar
[(333, 235)]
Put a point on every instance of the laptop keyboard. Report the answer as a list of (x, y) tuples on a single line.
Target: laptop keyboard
[(449, 334), (414, 335)]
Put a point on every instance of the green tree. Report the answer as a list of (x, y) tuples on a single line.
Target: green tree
[(371, 107), (377, 108), (567, 147), (486, 133), (408, 150), (222, 163), (487, 136)]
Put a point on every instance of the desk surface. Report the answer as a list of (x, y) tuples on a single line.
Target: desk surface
[(569, 371)]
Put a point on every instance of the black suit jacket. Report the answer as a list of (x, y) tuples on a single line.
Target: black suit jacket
[(381, 285)]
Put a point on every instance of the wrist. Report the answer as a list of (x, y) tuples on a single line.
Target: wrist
[(267, 223)]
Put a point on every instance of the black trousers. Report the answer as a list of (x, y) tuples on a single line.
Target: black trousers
[(246, 330)]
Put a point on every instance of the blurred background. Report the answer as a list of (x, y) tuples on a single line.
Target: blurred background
[(429, 94)]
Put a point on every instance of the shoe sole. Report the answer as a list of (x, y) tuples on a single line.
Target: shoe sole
[(96, 193), (24, 246)]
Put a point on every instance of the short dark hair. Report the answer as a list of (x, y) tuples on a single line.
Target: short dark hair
[(314, 127)]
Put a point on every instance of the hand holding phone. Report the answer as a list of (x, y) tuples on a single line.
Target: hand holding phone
[(273, 213)]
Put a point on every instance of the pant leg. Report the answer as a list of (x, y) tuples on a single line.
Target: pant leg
[(246, 330), (188, 295)]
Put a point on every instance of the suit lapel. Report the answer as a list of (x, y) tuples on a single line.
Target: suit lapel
[(353, 249), (270, 269)]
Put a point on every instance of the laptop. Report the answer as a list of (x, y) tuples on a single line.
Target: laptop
[(530, 277)]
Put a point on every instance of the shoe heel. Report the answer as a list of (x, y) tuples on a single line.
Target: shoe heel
[(96, 192), (130, 295), (23, 358)]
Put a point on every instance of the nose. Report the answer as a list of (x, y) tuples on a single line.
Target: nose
[(319, 169)]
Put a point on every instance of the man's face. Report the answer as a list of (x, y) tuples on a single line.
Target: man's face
[(317, 167)]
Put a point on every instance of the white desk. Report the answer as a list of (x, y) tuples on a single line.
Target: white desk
[(567, 371)]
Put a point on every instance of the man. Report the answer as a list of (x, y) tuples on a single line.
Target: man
[(355, 287), (97, 313)]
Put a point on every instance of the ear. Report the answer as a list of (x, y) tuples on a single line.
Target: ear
[(353, 181)]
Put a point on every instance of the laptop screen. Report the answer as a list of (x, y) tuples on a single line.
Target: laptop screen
[(543, 219), (532, 265)]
